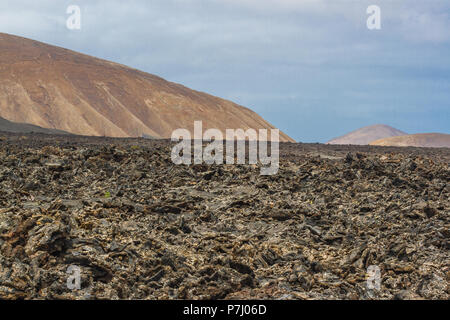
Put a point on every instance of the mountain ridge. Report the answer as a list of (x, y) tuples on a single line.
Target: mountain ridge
[(366, 135), (57, 88), (13, 127)]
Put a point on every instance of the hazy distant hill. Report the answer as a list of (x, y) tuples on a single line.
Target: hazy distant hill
[(8, 126), (436, 140), (366, 135), (57, 88)]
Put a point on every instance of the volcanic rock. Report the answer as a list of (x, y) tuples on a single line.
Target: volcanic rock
[(310, 232)]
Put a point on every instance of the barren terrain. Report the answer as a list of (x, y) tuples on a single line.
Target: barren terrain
[(439, 140), (140, 227)]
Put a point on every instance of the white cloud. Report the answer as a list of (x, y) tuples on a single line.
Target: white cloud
[(258, 51)]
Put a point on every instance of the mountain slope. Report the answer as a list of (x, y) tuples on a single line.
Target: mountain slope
[(366, 135), (57, 88), (435, 140), (8, 126)]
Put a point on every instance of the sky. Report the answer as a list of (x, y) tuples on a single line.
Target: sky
[(310, 67)]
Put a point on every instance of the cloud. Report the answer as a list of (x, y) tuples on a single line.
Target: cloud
[(296, 62)]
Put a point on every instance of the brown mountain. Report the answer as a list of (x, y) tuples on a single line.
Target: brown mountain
[(434, 140), (366, 135), (60, 89), (8, 126)]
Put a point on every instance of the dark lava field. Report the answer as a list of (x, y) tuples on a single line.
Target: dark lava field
[(139, 227)]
